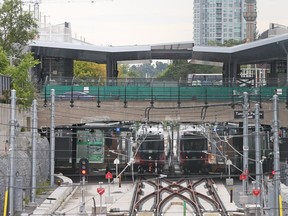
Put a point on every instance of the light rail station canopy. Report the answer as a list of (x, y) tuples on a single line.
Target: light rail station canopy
[(260, 51), (103, 54)]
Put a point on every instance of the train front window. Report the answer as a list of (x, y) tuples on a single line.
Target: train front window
[(194, 144), (154, 144)]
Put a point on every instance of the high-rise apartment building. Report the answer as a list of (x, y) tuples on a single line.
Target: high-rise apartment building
[(221, 20)]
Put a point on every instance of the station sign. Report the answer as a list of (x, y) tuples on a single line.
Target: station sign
[(251, 115)]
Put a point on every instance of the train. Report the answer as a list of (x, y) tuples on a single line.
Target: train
[(157, 147), (150, 153), (228, 139), (100, 142), (207, 148), (193, 149)]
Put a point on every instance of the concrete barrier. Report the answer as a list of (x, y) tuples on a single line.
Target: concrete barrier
[(55, 199)]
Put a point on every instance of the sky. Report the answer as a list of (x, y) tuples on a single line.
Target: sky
[(130, 22)]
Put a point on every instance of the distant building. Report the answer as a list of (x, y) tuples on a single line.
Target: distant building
[(221, 20), (274, 29), (58, 33)]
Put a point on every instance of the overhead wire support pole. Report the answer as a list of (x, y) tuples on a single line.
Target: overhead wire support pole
[(257, 150), (34, 150), (52, 138), (12, 151), (245, 141), (276, 154)]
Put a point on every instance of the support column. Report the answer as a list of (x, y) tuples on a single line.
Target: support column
[(286, 69), (245, 142), (258, 151), (272, 81), (235, 72), (12, 151), (226, 71), (286, 52), (52, 138), (109, 69), (34, 150), (276, 154)]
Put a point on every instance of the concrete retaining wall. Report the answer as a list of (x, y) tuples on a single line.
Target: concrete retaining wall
[(59, 195), (23, 123), (84, 111), (23, 164)]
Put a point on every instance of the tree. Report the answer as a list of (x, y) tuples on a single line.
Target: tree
[(160, 66), (146, 70), (17, 27), (92, 70), (21, 81), (123, 71), (4, 63), (180, 69), (177, 71)]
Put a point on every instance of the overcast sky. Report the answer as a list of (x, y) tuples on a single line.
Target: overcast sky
[(129, 22)]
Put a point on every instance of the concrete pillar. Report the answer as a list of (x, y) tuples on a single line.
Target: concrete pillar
[(109, 69)]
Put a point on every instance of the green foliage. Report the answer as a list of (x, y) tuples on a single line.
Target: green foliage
[(21, 81), (42, 187), (26, 200), (4, 63), (179, 70), (92, 70), (144, 70), (125, 72), (17, 27), (176, 71)]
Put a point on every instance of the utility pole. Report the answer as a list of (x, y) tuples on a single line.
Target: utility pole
[(52, 138), (245, 141), (276, 154), (258, 151), (34, 150), (11, 151)]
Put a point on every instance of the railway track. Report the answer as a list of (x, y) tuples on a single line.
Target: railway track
[(162, 196)]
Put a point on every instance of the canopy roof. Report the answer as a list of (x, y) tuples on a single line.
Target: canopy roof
[(101, 54), (259, 51), (264, 50)]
